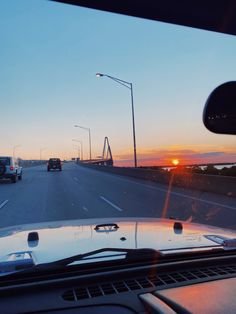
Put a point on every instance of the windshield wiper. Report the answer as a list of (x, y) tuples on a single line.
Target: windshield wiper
[(125, 256), (131, 254), (128, 254)]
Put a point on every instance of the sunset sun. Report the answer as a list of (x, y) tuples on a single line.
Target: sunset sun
[(175, 162)]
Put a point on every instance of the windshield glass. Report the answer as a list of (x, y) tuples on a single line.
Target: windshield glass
[(5, 161), (119, 100), (54, 160)]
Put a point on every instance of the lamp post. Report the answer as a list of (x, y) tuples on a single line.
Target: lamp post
[(130, 87), (78, 150), (14, 150), (81, 146), (87, 129), (40, 152)]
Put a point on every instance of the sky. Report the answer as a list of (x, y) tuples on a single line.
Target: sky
[(50, 53)]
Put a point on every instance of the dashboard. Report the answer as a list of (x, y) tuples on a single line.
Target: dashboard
[(195, 286)]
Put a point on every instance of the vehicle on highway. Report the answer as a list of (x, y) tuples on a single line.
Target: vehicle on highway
[(10, 169), (54, 164), (86, 243)]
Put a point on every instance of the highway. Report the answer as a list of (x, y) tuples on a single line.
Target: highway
[(79, 192)]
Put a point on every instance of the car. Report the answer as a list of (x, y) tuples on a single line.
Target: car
[(10, 169), (54, 163)]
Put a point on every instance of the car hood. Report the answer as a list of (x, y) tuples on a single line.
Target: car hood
[(61, 239)]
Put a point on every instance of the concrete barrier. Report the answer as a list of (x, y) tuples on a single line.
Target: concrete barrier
[(29, 164), (209, 183)]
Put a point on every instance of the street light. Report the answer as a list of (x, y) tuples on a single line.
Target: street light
[(87, 129), (130, 87), (78, 148), (81, 144), (14, 149), (40, 152)]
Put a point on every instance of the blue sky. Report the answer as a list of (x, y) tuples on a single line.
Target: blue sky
[(50, 53)]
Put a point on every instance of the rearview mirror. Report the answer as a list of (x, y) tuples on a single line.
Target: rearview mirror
[(219, 115)]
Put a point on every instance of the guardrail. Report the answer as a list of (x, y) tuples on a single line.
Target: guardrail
[(28, 164), (209, 183)]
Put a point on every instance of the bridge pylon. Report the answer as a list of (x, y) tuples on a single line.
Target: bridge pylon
[(106, 153)]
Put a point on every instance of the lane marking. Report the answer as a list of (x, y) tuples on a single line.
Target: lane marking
[(84, 208), (196, 198), (3, 204), (121, 178), (110, 203), (179, 194), (204, 201), (76, 179)]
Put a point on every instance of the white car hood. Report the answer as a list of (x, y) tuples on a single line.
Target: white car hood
[(58, 240)]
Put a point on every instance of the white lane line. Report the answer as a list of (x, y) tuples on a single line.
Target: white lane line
[(110, 203), (192, 197), (198, 199), (3, 204), (122, 178), (179, 194), (204, 201), (76, 179), (85, 208)]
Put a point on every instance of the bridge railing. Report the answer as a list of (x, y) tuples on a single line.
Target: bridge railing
[(203, 182)]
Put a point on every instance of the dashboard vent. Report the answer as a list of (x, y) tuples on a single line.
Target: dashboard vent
[(163, 280)]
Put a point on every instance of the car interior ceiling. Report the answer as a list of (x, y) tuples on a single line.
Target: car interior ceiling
[(218, 16)]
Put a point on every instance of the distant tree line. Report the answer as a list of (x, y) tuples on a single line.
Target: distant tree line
[(210, 170)]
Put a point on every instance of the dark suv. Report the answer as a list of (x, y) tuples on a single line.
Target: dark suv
[(54, 163)]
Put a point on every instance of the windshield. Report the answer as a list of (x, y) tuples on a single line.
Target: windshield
[(54, 160), (119, 100), (5, 161)]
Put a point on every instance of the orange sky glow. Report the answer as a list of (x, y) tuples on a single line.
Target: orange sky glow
[(160, 156), (186, 156)]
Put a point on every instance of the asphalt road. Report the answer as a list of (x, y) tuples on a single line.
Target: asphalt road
[(78, 192)]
